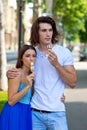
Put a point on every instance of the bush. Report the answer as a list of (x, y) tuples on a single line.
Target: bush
[(3, 99)]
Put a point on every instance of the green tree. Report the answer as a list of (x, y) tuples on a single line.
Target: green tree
[(71, 14), (83, 33)]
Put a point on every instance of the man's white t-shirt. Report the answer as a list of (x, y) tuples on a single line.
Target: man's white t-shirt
[(48, 85)]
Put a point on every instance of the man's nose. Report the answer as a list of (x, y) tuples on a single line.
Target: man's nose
[(48, 32)]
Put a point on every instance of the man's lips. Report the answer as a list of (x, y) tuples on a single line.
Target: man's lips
[(48, 39)]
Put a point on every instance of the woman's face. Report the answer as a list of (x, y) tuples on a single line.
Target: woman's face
[(28, 57)]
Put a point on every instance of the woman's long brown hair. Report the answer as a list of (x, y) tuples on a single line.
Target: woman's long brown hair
[(24, 48)]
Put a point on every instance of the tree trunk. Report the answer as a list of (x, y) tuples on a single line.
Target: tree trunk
[(35, 9), (49, 4), (3, 78)]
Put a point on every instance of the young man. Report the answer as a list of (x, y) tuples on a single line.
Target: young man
[(53, 70)]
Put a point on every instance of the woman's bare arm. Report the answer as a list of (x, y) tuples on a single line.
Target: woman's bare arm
[(13, 95)]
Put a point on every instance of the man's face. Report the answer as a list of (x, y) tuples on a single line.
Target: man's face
[(45, 33)]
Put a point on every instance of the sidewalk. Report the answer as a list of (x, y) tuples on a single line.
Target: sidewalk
[(11, 58), (76, 99), (80, 65)]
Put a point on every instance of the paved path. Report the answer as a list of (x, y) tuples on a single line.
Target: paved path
[(76, 100)]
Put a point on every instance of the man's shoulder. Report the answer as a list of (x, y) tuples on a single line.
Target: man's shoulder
[(58, 46), (61, 49)]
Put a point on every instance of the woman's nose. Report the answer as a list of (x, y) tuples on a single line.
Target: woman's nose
[(32, 59)]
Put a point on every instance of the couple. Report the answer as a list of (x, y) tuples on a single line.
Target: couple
[(53, 70)]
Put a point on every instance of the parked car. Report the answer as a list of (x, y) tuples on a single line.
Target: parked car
[(83, 54)]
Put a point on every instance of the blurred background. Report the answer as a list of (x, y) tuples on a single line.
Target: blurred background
[(16, 18)]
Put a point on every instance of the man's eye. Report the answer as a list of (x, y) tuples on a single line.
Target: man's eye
[(50, 30), (44, 30)]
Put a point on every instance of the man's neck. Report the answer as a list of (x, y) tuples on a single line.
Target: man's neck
[(43, 48)]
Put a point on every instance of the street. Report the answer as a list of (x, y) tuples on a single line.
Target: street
[(76, 99)]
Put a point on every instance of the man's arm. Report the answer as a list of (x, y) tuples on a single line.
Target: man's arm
[(67, 73), (12, 73)]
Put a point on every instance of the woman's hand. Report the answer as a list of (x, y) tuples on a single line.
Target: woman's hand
[(63, 98), (30, 79)]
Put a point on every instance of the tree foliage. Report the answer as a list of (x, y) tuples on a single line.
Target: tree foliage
[(71, 14), (83, 33), (29, 1)]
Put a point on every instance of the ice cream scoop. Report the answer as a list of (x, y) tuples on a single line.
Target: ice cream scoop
[(49, 46), (32, 66)]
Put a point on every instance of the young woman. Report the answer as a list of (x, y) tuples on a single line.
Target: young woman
[(16, 113)]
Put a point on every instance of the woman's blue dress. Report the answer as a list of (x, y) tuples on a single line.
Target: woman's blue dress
[(18, 116)]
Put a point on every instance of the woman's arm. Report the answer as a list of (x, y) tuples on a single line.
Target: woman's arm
[(13, 84)]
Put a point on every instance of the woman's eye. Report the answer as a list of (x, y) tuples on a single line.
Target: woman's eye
[(27, 55), (34, 55)]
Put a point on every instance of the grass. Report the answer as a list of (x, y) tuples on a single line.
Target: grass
[(3, 99)]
